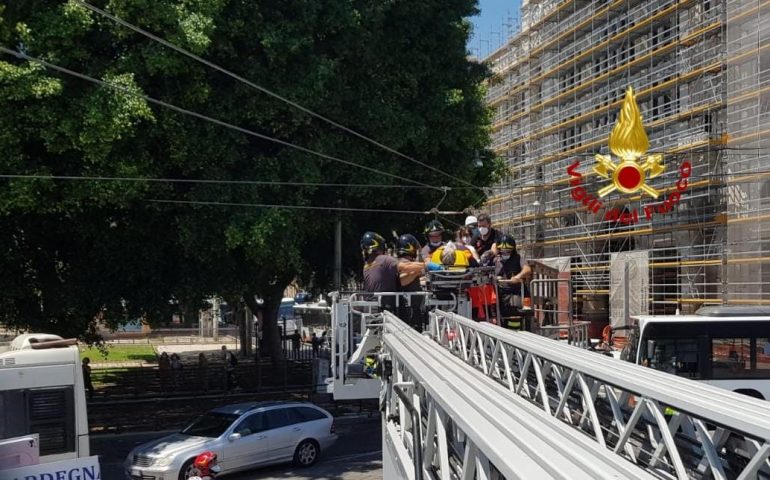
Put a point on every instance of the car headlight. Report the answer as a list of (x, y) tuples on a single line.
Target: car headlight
[(162, 462)]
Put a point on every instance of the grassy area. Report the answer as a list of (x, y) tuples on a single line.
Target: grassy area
[(119, 353)]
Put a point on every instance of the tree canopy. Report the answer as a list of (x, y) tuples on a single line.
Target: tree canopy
[(75, 250)]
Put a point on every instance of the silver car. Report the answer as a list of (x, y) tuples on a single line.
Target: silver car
[(244, 436)]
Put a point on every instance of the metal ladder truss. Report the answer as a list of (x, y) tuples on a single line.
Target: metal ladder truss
[(444, 419), (667, 425)]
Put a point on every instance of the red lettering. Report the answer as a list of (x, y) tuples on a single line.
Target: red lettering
[(648, 209), (578, 193), (685, 169), (636, 215), (681, 184), (611, 215), (572, 170), (594, 205), (626, 218), (674, 197)]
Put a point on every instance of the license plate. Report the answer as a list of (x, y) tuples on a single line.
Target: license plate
[(136, 473)]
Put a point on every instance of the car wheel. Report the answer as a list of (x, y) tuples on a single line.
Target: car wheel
[(306, 453), (188, 470)]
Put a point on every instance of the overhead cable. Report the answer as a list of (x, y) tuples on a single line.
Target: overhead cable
[(201, 180), (265, 90), (301, 207), (209, 119)]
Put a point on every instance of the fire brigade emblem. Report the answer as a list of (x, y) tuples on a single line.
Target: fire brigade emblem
[(629, 142)]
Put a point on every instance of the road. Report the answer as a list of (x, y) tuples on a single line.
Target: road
[(357, 455)]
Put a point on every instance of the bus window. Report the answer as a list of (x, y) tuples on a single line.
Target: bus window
[(49, 412), (763, 357), (673, 355), (730, 357)]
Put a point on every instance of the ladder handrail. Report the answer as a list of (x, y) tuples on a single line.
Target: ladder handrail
[(497, 428), (748, 415)]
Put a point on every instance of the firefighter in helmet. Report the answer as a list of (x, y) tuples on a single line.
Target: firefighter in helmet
[(434, 234)]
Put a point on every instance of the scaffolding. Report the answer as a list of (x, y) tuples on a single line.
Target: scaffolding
[(701, 73)]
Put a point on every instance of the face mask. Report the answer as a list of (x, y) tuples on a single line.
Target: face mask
[(435, 244), (483, 230), (466, 239), (505, 257)]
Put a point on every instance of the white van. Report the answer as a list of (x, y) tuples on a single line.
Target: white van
[(42, 391)]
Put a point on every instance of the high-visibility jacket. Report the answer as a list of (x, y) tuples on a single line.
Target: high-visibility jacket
[(463, 258)]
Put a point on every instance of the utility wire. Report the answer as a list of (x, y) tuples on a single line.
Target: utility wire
[(208, 119), (265, 90), (590, 181), (204, 181), (300, 207)]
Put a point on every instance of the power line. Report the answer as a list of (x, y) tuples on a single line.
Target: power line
[(203, 181), (301, 207), (265, 90), (208, 119)]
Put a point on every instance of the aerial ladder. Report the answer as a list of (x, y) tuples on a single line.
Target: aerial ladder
[(463, 399)]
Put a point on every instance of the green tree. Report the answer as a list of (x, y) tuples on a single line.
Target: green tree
[(75, 251)]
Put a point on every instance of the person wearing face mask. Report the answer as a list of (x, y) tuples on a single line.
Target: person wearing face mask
[(486, 237), (511, 270), (464, 238), (434, 233), (472, 223)]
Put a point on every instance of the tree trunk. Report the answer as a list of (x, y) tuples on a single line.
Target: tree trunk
[(271, 332)]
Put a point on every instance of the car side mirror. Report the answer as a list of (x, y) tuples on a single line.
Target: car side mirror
[(234, 436)]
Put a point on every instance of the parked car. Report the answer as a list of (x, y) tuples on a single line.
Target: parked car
[(244, 436)]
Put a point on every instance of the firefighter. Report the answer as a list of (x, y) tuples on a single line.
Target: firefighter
[(380, 269), (409, 271), (511, 270), (434, 234)]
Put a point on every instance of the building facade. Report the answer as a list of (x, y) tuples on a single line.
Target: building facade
[(700, 70)]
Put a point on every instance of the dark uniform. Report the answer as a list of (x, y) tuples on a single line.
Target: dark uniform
[(381, 275), (414, 314), (508, 291), (482, 246)]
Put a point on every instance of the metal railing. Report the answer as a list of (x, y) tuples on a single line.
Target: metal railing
[(458, 423), (670, 426)]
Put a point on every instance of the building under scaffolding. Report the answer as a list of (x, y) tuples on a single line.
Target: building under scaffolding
[(701, 73)]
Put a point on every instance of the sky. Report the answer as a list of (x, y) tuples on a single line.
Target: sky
[(496, 22)]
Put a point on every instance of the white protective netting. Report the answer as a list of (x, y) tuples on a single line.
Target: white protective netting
[(638, 285)]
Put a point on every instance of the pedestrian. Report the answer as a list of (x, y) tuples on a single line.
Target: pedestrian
[(203, 372), (87, 377), (176, 371), (164, 369), (230, 362), (295, 343), (316, 344)]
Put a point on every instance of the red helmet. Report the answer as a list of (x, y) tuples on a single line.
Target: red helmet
[(206, 462)]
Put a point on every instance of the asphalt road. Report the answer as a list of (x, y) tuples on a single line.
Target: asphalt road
[(357, 455)]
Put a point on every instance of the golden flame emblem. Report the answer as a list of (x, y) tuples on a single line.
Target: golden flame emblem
[(629, 142)]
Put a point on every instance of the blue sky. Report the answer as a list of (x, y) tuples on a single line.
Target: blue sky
[(490, 28)]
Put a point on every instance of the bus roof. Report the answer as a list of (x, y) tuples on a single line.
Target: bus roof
[(31, 358), (698, 318), (23, 341)]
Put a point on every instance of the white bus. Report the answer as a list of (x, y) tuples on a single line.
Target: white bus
[(42, 392), (728, 347)]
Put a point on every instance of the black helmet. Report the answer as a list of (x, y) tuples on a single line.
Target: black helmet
[(433, 226), (372, 242), (408, 246), (506, 242)]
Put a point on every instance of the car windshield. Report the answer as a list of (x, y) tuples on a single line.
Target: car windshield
[(212, 424)]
